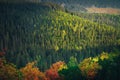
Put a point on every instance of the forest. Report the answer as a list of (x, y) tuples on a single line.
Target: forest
[(81, 5), (101, 3), (44, 41)]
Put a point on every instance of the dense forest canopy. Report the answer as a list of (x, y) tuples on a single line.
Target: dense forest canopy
[(46, 32), (65, 45)]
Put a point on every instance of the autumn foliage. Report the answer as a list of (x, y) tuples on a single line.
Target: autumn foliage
[(56, 66), (52, 73), (89, 68), (8, 71), (31, 72)]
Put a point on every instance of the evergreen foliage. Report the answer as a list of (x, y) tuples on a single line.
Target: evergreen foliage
[(46, 33)]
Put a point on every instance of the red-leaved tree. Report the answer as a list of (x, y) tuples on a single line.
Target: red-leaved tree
[(52, 73)]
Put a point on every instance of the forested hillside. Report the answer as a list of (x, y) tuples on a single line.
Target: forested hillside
[(81, 5), (98, 3), (45, 33), (40, 32), (112, 20)]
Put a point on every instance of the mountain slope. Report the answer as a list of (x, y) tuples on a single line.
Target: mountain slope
[(45, 33), (87, 5), (108, 19)]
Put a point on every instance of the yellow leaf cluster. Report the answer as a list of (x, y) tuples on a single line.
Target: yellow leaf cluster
[(62, 67), (89, 67), (104, 56)]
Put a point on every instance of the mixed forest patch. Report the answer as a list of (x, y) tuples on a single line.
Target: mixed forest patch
[(102, 67), (43, 41)]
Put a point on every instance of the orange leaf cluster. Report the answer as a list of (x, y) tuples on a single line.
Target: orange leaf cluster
[(8, 71), (57, 65), (30, 72)]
